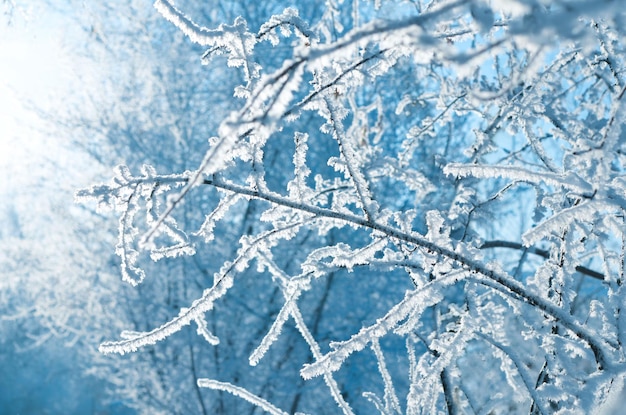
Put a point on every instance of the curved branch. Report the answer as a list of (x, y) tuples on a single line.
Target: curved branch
[(595, 342), (223, 282), (241, 393), (515, 288)]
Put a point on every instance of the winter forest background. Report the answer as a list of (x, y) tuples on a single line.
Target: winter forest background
[(351, 207)]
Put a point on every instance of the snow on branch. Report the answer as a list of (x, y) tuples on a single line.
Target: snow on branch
[(570, 181), (414, 302), (501, 280), (223, 282), (326, 165), (288, 19), (241, 393), (529, 384), (197, 34), (194, 313), (291, 294), (214, 160), (392, 403), (378, 29)]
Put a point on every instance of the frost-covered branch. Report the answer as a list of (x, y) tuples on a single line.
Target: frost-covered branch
[(242, 393), (469, 264), (568, 181), (377, 147)]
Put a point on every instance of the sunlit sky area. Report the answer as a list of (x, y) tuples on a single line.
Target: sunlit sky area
[(43, 77), (35, 77)]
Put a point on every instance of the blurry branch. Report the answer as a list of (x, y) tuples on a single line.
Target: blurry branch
[(8, 8), (521, 368), (540, 252)]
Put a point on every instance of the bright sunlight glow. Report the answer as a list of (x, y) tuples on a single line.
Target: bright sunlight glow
[(32, 77)]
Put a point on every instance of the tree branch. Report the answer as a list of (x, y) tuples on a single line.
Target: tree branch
[(539, 252), (511, 285)]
